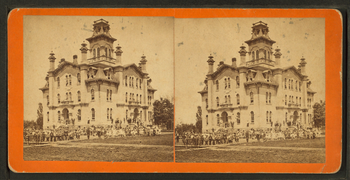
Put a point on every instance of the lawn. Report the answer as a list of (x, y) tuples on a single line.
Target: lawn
[(100, 153), (84, 150), (307, 143)]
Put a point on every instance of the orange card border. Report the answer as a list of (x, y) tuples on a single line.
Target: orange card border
[(333, 38)]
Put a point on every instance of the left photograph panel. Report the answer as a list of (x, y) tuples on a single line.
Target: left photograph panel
[(98, 88)]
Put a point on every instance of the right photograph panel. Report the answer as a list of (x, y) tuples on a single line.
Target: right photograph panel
[(250, 90)]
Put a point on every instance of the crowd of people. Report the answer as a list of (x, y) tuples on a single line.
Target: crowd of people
[(225, 136), (71, 132)]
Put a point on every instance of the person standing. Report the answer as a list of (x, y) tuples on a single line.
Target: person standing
[(88, 132), (247, 135)]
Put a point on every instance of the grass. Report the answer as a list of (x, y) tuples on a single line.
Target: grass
[(307, 143), (166, 139), (115, 153)]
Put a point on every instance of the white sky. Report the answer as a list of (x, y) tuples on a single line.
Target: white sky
[(196, 39), (152, 36)]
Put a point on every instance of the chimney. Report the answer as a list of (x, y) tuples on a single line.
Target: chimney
[(278, 55), (210, 63), (234, 62), (118, 54), (243, 53), (84, 50), (75, 59), (302, 65), (143, 63), (52, 61)]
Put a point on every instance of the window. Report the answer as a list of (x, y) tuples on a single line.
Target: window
[(79, 96), (288, 83), (93, 114), (237, 97), (289, 99), (267, 77), (285, 83), (252, 117), (48, 119), (293, 99), (59, 116), (110, 95), (225, 99), (107, 94), (291, 85), (79, 115), (229, 99), (137, 81), (296, 85), (301, 119), (48, 99), (267, 116), (66, 96), (70, 80), (270, 117), (286, 117), (267, 97), (206, 119), (78, 78), (225, 83), (206, 103), (251, 98), (98, 52), (300, 101), (126, 97), (237, 81), (137, 98), (217, 101), (141, 115), (58, 82), (94, 53), (218, 119), (285, 100), (107, 114), (126, 81), (257, 54), (140, 99), (92, 95), (228, 83), (126, 115), (238, 118), (140, 84), (66, 80), (58, 98), (299, 86), (217, 85), (253, 55), (296, 100), (270, 98), (70, 96)]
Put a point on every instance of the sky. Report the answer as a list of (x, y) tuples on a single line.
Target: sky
[(196, 39), (151, 36)]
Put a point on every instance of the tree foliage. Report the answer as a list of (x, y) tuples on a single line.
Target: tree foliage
[(163, 111), (29, 124), (319, 118), (181, 128), (40, 120)]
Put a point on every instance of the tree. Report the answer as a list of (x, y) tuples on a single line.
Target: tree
[(40, 120), (199, 119), (29, 124), (181, 128), (319, 118), (163, 111)]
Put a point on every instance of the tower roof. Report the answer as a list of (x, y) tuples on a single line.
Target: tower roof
[(101, 29), (260, 30)]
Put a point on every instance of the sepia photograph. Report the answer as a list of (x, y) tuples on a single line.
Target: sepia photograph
[(250, 90), (98, 88)]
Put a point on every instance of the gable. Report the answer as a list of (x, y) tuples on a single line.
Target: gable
[(225, 71), (67, 69), (292, 73), (132, 71)]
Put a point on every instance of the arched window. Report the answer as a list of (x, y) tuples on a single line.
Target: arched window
[(217, 101), (58, 98), (293, 99), (285, 83), (110, 95), (107, 114), (130, 82), (299, 86), (270, 117), (110, 114), (253, 55), (228, 83), (126, 97), (206, 103), (299, 101), (229, 99), (137, 81), (290, 100), (70, 96), (285, 100), (94, 53), (126, 81), (48, 117), (268, 53), (66, 80), (206, 120), (238, 118), (267, 116), (126, 114), (48, 99), (269, 97), (286, 117), (79, 115), (225, 99), (296, 100), (267, 77), (59, 116), (107, 94), (257, 55), (291, 86), (58, 82), (140, 99), (217, 85), (141, 115), (93, 114), (140, 84), (66, 96), (98, 52), (79, 96), (265, 54), (225, 83), (252, 117), (237, 81), (78, 78), (70, 80), (237, 98), (92, 94), (106, 52), (251, 98), (288, 83), (296, 85), (218, 119), (137, 98)]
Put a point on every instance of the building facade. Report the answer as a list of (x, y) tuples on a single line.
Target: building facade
[(258, 92), (97, 89)]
